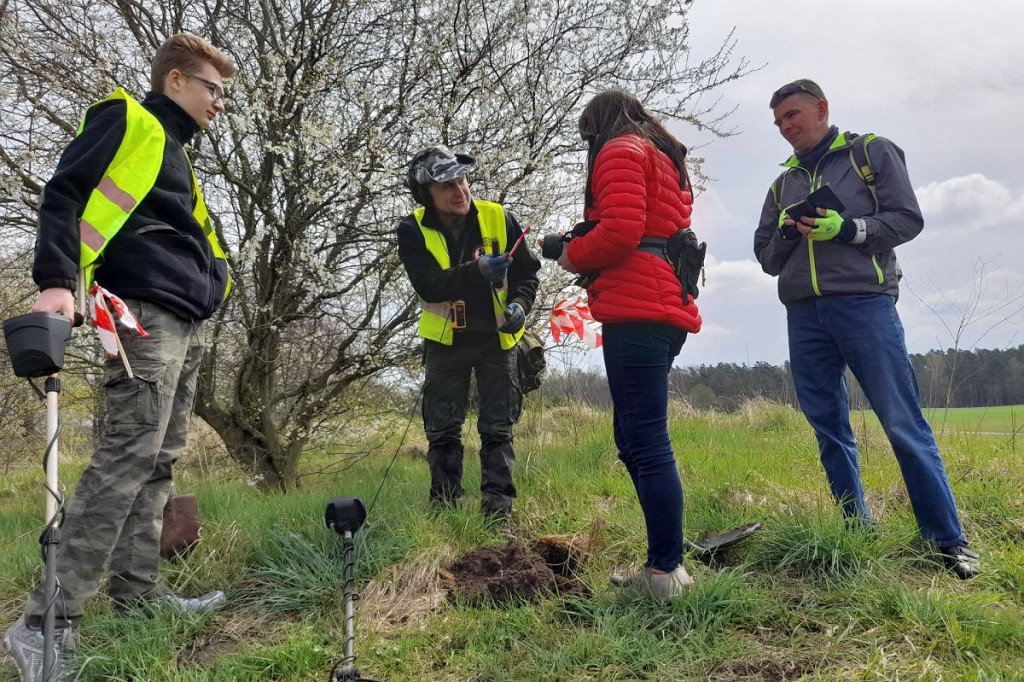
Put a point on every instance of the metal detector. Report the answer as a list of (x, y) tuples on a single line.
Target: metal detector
[(707, 545), (36, 343), (346, 515)]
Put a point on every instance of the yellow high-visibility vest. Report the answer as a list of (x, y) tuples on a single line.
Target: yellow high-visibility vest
[(127, 181), (435, 318)]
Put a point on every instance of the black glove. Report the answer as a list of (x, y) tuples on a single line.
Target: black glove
[(493, 268), (789, 232), (515, 318)]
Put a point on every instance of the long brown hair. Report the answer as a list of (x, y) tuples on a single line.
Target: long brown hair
[(616, 112)]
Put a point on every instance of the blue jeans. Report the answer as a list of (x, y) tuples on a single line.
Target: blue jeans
[(864, 331), (637, 359)]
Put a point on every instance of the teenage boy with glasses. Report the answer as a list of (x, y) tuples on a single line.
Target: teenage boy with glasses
[(123, 210)]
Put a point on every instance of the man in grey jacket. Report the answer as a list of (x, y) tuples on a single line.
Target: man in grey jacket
[(839, 280)]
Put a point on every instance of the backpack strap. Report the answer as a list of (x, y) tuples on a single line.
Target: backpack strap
[(778, 187), (861, 161)]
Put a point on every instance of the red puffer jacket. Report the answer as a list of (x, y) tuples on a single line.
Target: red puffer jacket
[(636, 194)]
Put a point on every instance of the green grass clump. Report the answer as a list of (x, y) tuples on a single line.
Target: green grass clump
[(807, 598)]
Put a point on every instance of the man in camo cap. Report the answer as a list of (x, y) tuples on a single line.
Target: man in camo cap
[(474, 298)]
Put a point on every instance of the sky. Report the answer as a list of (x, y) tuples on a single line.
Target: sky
[(944, 81)]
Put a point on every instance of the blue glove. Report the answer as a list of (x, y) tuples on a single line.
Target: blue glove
[(832, 226), (493, 268), (515, 318)]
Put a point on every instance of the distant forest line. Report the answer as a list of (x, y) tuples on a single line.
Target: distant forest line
[(949, 378)]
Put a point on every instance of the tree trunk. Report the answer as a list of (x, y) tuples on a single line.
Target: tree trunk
[(271, 464)]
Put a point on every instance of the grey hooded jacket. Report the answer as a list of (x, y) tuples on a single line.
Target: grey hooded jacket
[(807, 268)]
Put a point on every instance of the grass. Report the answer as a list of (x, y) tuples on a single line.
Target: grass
[(1005, 420), (805, 599)]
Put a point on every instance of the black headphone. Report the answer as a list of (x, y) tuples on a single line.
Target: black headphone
[(418, 190)]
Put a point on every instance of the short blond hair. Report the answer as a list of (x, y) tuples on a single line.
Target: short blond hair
[(186, 52)]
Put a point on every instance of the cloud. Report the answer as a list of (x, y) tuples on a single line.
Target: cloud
[(743, 319), (970, 202)]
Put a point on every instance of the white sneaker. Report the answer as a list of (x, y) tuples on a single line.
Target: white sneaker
[(656, 585)]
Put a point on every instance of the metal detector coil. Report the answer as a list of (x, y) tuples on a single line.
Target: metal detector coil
[(36, 343), (345, 514)]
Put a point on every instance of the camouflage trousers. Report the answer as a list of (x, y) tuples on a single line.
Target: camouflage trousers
[(445, 393), (116, 513)]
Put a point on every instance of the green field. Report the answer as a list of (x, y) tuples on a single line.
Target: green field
[(804, 599), (1000, 420), (1006, 419)]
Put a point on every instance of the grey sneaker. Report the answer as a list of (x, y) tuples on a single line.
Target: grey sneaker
[(209, 602), (657, 585), (25, 645), (172, 603)]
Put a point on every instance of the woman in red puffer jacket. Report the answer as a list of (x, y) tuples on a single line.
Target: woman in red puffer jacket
[(637, 187)]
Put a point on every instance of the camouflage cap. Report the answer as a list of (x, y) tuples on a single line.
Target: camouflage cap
[(440, 164)]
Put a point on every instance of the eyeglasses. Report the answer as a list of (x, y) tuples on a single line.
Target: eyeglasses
[(216, 90), (792, 89)]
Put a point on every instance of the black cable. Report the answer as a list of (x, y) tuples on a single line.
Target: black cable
[(398, 448), (57, 519)]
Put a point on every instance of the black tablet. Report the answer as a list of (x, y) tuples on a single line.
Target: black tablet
[(823, 197)]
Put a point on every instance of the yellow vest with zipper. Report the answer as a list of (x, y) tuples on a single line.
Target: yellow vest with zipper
[(127, 181), (436, 318)]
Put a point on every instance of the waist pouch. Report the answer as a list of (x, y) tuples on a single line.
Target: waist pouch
[(686, 256)]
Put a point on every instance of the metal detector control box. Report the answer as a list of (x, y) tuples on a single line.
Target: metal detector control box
[(36, 343)]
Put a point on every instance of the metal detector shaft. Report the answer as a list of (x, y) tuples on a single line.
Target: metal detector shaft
[(350, 615), (349, 670), (50, 539)]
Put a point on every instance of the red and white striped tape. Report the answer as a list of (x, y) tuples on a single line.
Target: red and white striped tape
[(572, 316), (105, 311)]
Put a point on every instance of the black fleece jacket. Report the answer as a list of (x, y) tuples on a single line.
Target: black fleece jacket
[(161, 254), (464, 280)]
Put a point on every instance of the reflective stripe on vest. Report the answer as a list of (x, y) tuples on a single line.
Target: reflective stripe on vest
[(126, 182), (435, 318)]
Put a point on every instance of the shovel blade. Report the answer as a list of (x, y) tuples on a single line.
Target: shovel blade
[(709, 544)]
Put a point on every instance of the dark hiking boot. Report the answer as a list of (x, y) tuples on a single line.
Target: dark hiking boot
[(964, 563)]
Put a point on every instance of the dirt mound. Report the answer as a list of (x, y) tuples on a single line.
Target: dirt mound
[(564, 554), (514, 572)]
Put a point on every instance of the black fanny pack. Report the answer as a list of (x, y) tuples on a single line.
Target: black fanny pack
[(684, 253)]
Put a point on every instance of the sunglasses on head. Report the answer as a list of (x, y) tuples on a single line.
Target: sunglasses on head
[(793, 89)]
